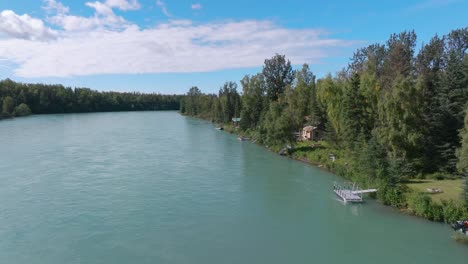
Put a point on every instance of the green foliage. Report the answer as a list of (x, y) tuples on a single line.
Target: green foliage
[(372, 160), (230, 101), (22, 110), (191, 103), (453, 211), (465, 191), (50, 99), (392, 194), (330, 94), (305, 90), (399, 115), (253, 101), (277, 127), (462, 152), (439, 176), (278, 74), (398, 60), (421, 205), (355, 120), (8, 105)]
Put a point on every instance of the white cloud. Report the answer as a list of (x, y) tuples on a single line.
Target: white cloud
[(52, 6), (124, 4), (104, 16), (105, 43), (24, 27), (101, 8), (196, 6), (175, 46), (163, 7), (78, 23)]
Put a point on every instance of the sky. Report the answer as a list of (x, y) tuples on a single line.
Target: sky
[(167, 46)]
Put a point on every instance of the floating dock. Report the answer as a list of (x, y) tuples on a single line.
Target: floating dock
[(350, 192)]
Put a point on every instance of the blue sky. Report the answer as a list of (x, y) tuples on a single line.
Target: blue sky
[(167, 46)]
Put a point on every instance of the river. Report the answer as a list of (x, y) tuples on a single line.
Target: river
[(157, 187)]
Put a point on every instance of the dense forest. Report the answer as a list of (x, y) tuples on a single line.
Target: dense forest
[(18, 99), (395, 113)]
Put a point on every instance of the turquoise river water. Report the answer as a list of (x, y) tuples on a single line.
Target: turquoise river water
[(157, 187)]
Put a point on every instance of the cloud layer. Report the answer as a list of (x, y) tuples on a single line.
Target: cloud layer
[(108, 44), (24, 27)]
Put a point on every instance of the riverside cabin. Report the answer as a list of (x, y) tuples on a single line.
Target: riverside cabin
[(310, 133), (236, 121)]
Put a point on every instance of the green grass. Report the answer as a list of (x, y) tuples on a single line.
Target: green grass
[(452, 189), (318, 154)]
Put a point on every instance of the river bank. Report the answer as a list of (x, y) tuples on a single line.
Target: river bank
[(408, 200)]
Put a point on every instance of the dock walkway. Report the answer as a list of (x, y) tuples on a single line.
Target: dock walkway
[(351, 192)]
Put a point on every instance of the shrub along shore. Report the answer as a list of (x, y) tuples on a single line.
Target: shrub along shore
[(394, 117)]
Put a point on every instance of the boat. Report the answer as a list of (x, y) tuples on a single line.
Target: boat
[(285, 151), (461, 226), (241, 138), (219, 128)]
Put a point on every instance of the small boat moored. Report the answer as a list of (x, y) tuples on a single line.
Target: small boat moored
[(461, 226)]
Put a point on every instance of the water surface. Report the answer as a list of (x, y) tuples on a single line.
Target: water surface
[(156, 187)]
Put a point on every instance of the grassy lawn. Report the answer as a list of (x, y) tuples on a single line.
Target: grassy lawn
[(317, 152), (452, 189)]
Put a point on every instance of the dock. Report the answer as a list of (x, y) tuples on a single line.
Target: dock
[(350, 192)]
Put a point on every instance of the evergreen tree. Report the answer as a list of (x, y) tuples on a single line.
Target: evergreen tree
[(462, 153), (429, 64), (372, 160), (399, 58), (354, 111), (452, 98)]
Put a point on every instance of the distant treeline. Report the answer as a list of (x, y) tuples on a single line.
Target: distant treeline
[(18, 99), (397, 112)]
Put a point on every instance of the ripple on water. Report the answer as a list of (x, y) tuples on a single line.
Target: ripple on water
[(156, 187)]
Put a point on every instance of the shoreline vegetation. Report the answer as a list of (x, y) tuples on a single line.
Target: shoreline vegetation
[(18, 99), (393, 119)]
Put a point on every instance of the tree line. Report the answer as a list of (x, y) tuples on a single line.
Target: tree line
[(19, 99), (397, 111)]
